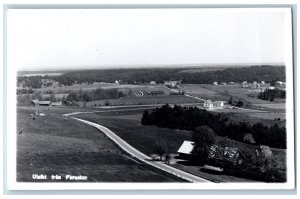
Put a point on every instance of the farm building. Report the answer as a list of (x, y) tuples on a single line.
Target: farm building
[(271, 88), (254, 82), (262, 82), (221, 154), (223, 83), (172, 84), (217, 153), (152, 83), (40, 103), (254, 86), (217, 104), (216, 83), (280, 84), (244, 82)]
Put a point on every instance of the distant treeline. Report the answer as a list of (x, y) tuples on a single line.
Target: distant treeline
[(270, 94), (24, 91), (265, 73), (188, 118)]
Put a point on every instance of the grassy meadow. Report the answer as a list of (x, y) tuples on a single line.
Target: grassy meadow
[(54, 144)]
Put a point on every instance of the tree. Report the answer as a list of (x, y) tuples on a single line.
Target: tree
[(160, 147), (230, 100), (168, 158), (204, 137), (248, 138), (145, 118), (239, 103)]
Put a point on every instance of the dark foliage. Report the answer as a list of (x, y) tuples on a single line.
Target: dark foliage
[(31, 81), (188, 118), (204, 137), (160, 147), (270, 94)]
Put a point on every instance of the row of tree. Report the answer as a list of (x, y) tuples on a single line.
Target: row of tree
[(188, 118), (271, 94)]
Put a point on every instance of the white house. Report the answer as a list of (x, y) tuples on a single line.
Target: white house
[(152, 83), (217, 104), (215, 83), (244, 82)]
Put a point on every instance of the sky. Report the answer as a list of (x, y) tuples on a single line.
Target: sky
[(43, 39)]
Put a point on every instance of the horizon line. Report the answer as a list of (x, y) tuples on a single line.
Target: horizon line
[(148, 66)]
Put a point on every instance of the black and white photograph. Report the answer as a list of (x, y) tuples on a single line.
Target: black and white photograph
[(198, 98)]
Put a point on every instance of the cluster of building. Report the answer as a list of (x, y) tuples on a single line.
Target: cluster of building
[(253, 85), (172, 84), (37, 102)]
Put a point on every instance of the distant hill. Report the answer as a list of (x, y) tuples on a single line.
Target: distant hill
[(189, 75), (203, 75)]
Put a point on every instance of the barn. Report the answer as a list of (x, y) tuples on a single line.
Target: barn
[(37, 102)]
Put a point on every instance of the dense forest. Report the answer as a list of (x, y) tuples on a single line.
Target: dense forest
[(271, 94), (189, 118), (96, 94), (135, 76)]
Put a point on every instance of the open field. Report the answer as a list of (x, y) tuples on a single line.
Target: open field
[(238, 92), (56, 89), (269, 116), (272, 105), (54, 145), (40, 73), (144, 100), (198, 91)]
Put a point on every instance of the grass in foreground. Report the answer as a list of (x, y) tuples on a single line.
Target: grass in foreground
[(52, 145)]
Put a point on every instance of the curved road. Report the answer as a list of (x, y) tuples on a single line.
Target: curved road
[(141, 156)]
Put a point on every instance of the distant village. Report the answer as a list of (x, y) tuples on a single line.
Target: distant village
[(176, 87)]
